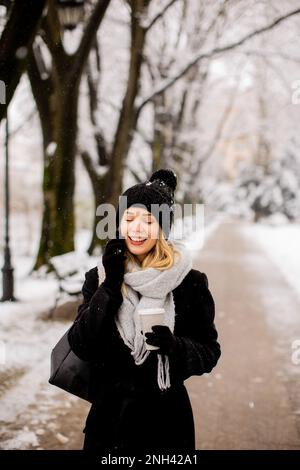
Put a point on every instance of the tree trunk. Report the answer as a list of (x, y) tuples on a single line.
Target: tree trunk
[(98, 183), (159, 137), (58, 116), (58, 108), (16, 40), (63, 183), (128, 115), (42, 94)]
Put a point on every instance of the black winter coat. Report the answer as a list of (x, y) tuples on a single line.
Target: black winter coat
[(129, 411)]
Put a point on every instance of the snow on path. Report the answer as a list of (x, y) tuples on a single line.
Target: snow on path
[(281, 244), (26, 343)]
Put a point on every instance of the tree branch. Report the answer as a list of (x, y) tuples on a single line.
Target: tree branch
[(136, 176), (205, 55), (218, 132), (143, 136), (89, 166), (276, 70), (52, 36), (127, 117), (24, 19), (88, 37), (41, 89), (159, 15), (25, 122), (95, 172), (93, 92), (266, 53)]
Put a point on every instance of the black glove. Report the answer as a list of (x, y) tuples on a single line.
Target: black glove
[(163, 337), (113, 261)]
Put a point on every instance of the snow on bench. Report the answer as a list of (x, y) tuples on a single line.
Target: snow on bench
[(69, 270)]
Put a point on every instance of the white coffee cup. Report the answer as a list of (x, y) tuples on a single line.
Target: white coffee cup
[(150, 317)]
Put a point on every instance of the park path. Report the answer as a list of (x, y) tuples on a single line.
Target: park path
[(251, 400)]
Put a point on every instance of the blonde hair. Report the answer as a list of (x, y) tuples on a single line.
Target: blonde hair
[(161, 256)]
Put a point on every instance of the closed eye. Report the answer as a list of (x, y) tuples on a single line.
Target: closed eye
[(148, 222)]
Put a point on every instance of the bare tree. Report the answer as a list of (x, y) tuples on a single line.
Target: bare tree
[(56, 88), (107, 185)]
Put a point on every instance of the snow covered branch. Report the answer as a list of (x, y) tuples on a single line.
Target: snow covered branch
[(88, 36), (159, 15), (205, 55)]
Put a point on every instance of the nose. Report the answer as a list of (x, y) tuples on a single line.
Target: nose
[(136, 226)]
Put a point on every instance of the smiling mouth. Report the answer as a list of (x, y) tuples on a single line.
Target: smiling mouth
[(137, 242)]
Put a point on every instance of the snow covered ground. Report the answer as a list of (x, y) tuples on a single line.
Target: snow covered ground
[(281, 244)]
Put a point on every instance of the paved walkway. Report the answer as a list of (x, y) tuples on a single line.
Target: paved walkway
[(251, 399)]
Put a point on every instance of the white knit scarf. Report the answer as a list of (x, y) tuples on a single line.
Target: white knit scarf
[(155, 287)]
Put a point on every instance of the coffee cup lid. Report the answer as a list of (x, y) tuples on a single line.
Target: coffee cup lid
[(151, 311)]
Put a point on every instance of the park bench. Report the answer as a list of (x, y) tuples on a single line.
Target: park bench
[(69, 270)]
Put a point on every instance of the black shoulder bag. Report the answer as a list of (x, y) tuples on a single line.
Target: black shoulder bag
[(68, 371)]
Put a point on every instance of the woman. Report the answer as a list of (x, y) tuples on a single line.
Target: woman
[(139, 401)]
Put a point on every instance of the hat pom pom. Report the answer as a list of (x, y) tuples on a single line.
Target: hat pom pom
[(167, 176)]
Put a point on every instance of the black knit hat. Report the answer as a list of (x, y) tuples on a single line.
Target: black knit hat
[(156, 195)]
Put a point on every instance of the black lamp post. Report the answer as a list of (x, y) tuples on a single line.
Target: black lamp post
[(7, 270), (70, 13)]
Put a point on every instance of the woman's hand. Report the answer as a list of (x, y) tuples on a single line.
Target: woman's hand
[(162, 337), (113, 261)]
